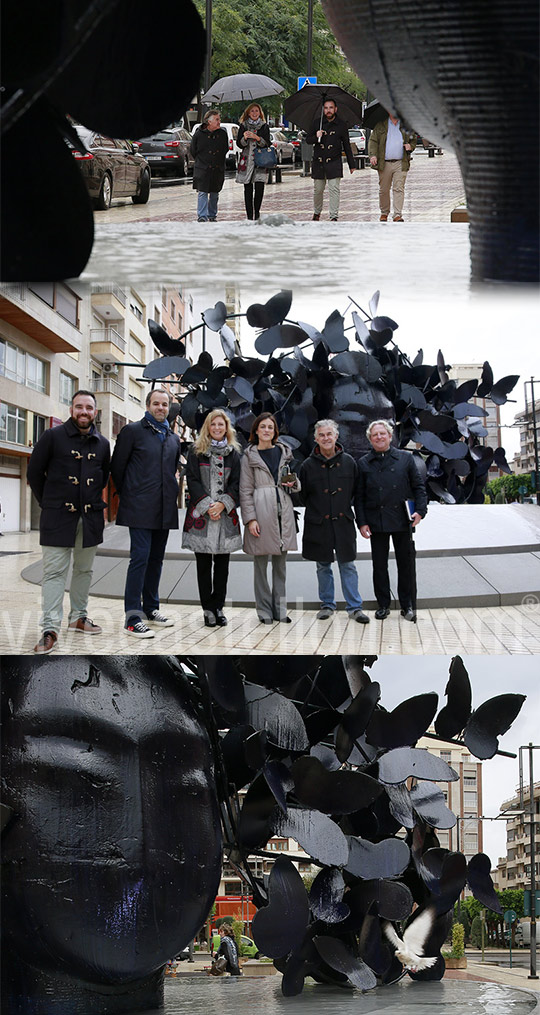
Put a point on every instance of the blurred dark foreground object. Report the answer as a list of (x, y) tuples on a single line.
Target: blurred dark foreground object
[(97, 62), (466, 76)]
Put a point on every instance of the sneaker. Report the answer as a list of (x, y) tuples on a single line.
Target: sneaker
[(83, 625), (158, 620), (383, 218), (46, 643), (333, 218), (359, 616), (325, 613), (138, 629)]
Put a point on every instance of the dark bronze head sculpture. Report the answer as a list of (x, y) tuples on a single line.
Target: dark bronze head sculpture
[(112, 853)]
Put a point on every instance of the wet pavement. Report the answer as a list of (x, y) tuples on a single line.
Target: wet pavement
[(237, 995), (162, 239)]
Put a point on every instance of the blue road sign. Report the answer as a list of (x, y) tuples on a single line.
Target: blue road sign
[(306, 81)]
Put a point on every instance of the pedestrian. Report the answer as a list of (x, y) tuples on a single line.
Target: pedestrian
[(389, 149), (388, 479), (143, 467), (266, 484), (253, 134), (330, 491), (209, 147), (228, 950), (330, 137), (67, 472), (211, 526)]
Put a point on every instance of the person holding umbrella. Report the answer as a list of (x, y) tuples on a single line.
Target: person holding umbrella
[(253, 134), (209, 147), (389, 149), (389, 478), (330, 136)]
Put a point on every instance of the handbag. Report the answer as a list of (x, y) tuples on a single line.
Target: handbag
[(219, 966), (265, 158)]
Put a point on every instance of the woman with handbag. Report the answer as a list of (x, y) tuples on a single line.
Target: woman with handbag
[(253, 138), (227, 951), (266, 484), (211, 526)]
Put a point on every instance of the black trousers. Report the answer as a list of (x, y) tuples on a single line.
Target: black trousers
[(380, 546), (253, 209), (212, 589)]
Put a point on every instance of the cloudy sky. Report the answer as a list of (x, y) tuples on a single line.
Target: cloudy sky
[(403, 676)]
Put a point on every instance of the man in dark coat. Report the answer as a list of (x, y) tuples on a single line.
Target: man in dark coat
[(143, 467), (330, 139), (209, 147), (388, 479), (329, 479), (67, 471)]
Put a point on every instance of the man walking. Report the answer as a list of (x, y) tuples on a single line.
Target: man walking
[(67, 471), (143, 467), (329, 479), (389, 150), (329, 138), (388, 478)]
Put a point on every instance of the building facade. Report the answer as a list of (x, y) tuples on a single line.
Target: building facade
[(514, 870), (463, 797)]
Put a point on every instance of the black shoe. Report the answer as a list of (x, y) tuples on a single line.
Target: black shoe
[(315, 217), (382, 613), (409, 614), (221, 619), (359, 616), (265, 620), (209, 619), (283, 620)]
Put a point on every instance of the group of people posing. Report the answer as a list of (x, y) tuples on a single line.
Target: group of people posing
[(390, 146), (69, 468)]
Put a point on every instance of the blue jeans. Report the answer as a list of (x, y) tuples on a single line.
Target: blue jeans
[(145, 562), (349, 585), (206, 206)]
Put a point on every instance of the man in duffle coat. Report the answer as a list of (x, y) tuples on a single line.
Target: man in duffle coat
[(143, 467), (330, 491), (330, 138), (67, 472), (388, 478)]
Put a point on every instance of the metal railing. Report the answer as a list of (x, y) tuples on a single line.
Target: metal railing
[(110, 287), (109, 334), (108, 386)]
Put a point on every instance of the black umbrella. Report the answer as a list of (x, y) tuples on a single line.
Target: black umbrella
[(306, 105), (373, 114)]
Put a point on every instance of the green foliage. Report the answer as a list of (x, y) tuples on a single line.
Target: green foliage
[(506, 488), (238, 930), (271, 38), (463, 918), (476, 932), (308, 880), (458, 941)]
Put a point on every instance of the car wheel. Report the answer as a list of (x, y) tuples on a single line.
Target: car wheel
[(144, 190), (257, 955), (103, 201)]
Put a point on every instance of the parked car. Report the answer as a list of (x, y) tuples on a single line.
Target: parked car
[(112, 168), (248, 947), (285, 149), (168, 152), (232, 133), (357, 137), (292, 136)]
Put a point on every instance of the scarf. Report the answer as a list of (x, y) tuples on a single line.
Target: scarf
[(160, 428), (219, 445)]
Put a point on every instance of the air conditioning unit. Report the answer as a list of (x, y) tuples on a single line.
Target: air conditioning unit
[(110, 368)]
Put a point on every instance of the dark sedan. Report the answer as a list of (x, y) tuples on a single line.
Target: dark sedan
[(112, 168), (168, 152)]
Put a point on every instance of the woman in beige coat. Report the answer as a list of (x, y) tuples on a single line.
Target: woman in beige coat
[(267, 512)]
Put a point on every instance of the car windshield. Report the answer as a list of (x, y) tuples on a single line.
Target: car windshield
[(86, 135), (163, 135)]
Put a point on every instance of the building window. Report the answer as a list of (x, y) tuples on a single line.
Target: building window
[(232, 888), (60, 298), (135, 392), (136, 349), (67, 388), (118, 422), (18, 365), (136, 310), (446, 756), (470, 801), (38, 428), (12, 424)]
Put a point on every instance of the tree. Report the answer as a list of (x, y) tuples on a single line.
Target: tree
[(509, 486), (476, 932)]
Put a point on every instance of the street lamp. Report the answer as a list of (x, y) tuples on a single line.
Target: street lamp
[(532, 382), (530, 748), (208, 61)]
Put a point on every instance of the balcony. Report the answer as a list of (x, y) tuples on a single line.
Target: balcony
[(108, 386), (109, 300), (106, 343)]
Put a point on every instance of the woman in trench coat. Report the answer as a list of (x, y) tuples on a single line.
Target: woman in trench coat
[(253, 134), (211, 526), (209, 147), (267, 513)]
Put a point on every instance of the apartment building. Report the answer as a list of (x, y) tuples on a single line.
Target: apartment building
[(514, 870), (528, 421), (462, 372), (56, 338), (463, 797)]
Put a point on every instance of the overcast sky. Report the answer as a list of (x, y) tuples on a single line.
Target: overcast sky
[(403, 676), (501, 327)]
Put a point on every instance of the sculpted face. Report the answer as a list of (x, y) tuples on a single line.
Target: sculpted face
[(112, 858)]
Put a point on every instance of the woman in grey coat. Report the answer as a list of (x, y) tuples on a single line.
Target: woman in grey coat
[(253, 133), (267, 513), (211, 526)]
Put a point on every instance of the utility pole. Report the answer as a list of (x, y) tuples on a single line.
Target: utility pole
[(535, 434), (310, 38), (532, 974), (208, 61)]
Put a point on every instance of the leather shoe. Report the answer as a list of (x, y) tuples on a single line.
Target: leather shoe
[(315, 217), (382, 613), (265, 620), (398, 218), (221, 619), (383, 218), (360, 617), (409, 614), (46, 643), (84, 626), (209, 619)]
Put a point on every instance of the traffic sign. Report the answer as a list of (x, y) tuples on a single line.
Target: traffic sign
[(305, 80), (510, 916)]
